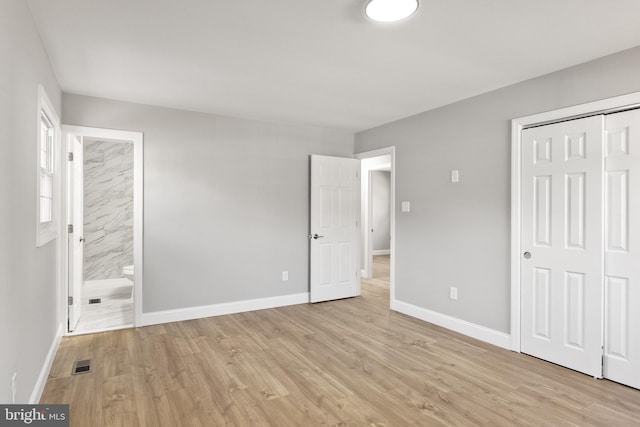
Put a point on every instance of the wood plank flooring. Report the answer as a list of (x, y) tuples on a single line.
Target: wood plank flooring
[(347, 362)]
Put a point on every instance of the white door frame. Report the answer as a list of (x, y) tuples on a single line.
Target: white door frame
[(367, 226), (136, 138), (391, 151), (75, 214), (609, 105)]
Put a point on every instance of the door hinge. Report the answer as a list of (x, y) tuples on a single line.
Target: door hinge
[(70, 157), (70, 300), (70, 228)]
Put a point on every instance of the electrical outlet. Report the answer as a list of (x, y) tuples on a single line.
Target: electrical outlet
[(14, 387), (453, 293), (285, 276)]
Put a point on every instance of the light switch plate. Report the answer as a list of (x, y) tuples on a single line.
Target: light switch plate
[(406, 206), (455, 175)]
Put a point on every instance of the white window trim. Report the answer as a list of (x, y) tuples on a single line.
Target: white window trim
[(46, 232)]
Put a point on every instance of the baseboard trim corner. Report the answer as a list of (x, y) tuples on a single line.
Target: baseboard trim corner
[(469, 329), (190, 313), (36, 394)]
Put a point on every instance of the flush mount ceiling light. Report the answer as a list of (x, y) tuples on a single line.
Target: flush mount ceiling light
[(390, 10)]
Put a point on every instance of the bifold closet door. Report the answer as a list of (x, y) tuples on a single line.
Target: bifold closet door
[(622, 248), (562, 243)]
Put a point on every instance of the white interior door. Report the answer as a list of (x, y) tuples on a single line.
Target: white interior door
[(622, 254), (562, 244), (335, 208), (76, 239)]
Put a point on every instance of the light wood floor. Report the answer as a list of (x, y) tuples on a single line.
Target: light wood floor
[(348, 362)]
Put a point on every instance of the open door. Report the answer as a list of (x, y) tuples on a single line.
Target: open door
[(76, 220), (335, 210)]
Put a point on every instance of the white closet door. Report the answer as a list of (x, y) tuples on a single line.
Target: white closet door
[(562, 244), (622, 248)]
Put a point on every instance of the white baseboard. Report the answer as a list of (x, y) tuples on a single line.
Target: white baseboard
[(46, 367), (381, 252), (167, 316), (478, 332)]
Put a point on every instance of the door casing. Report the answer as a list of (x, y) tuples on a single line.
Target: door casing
[(136, 138), (390, 151), (75, 216)]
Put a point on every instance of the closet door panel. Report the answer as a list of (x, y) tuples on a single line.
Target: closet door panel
[(622, 248), (561, 264)]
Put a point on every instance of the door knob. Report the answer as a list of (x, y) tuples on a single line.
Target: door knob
[(81, 239), (527, 255), (314, 236)]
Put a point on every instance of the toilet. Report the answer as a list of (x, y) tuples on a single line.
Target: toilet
[(127, 272)]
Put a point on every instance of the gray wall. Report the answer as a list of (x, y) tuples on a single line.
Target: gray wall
[(459, 234), (226, 201), (28, 294), (108, 208), (381, 221)]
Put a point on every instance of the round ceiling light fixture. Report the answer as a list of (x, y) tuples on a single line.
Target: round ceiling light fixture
[(390, 10)]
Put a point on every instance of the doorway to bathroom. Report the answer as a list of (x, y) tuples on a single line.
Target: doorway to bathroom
[(104, 228)]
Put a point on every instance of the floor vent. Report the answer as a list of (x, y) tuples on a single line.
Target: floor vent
[(82, 367), (95, 300)]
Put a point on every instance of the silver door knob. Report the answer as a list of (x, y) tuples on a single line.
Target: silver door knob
[(527, 255), (314, 236)]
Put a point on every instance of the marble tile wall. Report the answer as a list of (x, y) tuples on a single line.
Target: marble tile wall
[(108, 208)]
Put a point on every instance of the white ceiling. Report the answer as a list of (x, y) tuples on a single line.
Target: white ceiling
[(319, 62)]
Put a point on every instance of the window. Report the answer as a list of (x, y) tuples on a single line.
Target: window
[(48, 131), (46, 169)]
